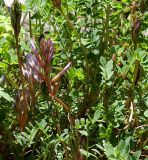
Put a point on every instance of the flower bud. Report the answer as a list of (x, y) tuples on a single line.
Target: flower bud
[(47, 49), (56, 3), (114, 57), (31, 68), (16, 13), (135, 29)]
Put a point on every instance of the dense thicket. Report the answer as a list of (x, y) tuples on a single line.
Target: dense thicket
[(74, 79)]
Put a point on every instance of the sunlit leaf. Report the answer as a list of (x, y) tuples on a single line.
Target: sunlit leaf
[(5, 95)]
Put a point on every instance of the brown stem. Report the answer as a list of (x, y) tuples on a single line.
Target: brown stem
[(106, 99), (30, 29), (62, 103), (21, 75), (136, 72), (19, 62), (66, 108)]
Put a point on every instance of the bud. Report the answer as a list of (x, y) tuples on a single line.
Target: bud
[(31, 68), (133, 6), (22, 102), (114, 57), (16, 13), (56, 3), (47, 49), (39, 67), (135, 29)]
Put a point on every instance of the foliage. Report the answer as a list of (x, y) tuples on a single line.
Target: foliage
[(73, 79)]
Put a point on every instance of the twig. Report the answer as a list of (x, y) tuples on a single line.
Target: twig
[(30, 25), (132, 111), (146, 125), (131, 116), (62, 103), (66, 108)]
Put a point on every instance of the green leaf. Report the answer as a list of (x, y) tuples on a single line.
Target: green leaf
[(83, 132), (109, 150), (103, 61), (5, 95), (86, 153), (109, 65), (100, 147), (85, 41), (32, 136), (146, 113), (64, 56), (146, 147), (124, 148), (96, 116), (82, 121), (77, 123), (136, 155), (106, 68), (120, 51), (110, 75), (25, 135), (3, 65)]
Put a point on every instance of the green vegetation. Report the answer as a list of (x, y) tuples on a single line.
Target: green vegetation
[(74, 79)]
